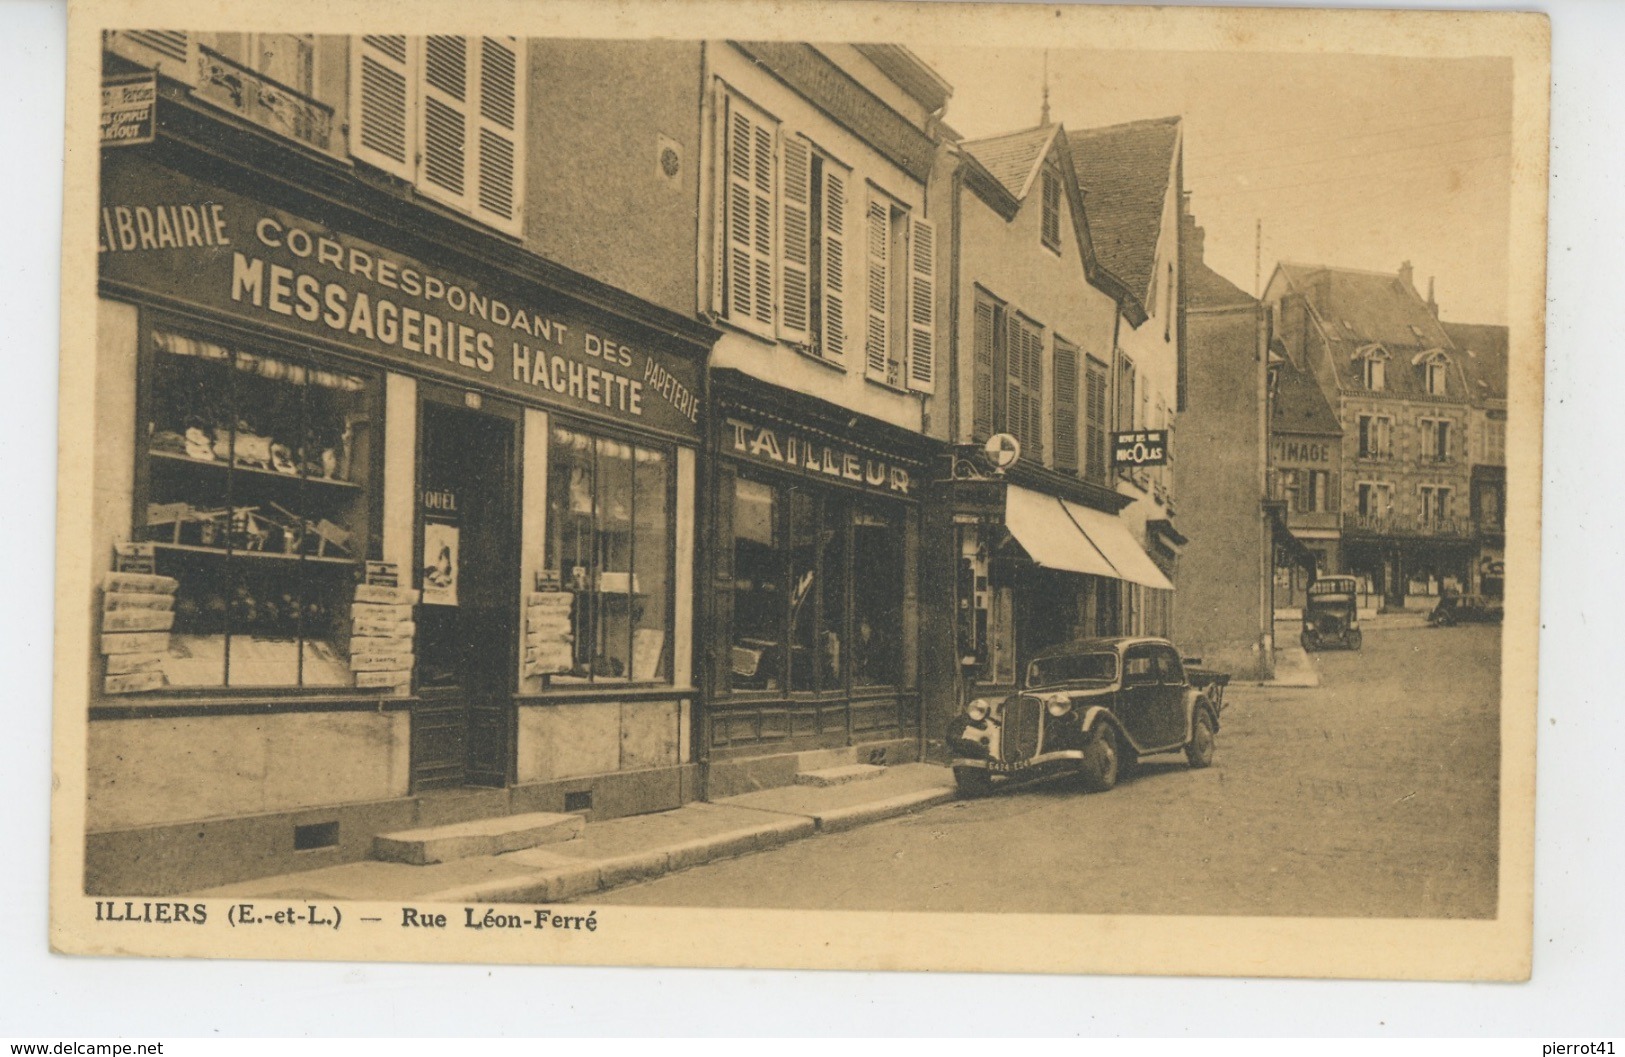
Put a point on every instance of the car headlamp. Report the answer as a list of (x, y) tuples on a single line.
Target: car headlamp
[(977, 710), (1059, 706)]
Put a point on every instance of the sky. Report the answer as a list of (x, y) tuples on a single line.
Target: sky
[(1355, 161)]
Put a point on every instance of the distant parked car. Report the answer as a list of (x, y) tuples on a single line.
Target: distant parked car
[(1093, 707), (1331, 614), (1465, 609)]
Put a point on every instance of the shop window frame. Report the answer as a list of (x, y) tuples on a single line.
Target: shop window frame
[(238, 337), (598, 429), (846, 688)]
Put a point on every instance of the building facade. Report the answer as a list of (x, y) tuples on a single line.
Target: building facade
[(1223, 609), (395, 515), (1483, 350), (1132, 177), (1379, 353), (1306, 456)]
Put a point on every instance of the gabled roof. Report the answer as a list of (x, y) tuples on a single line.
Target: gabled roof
[(1357, 309), (1206, 288), (1483, 349), (1002, 171), (1124, 172), (1014, 157), (1299, 405)]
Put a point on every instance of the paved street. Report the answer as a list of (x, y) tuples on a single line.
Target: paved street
[(1372, 795)]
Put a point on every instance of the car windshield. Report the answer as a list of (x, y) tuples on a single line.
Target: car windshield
[(1072, 668), (1331, 587)]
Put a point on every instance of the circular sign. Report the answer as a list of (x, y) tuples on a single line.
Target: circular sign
[(1002, 450)]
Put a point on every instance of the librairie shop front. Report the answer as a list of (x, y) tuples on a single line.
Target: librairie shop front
[(382, 542)]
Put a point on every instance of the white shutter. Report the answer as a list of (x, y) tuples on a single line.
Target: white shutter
[(749, 219), (171, 52), (876, 348), (446, 118), (498, 192), (382, 98), (836, 205), (922, 307), (795, 210)]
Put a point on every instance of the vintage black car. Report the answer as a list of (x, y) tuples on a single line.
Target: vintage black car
[(1093, 707), (1331, 614), (1465, 609)]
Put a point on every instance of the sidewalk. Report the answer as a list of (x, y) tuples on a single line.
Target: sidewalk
[(622, 850)]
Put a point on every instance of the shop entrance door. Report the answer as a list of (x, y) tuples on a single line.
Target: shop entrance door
[(468, 569)]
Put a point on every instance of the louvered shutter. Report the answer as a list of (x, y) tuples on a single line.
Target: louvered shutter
[(171, 52), (876, 343), (749, 219), (446, 117), (498, 192), (381, 102), (836, 207), (1095, 419), (795, 210), (922, 306), (1033, 382), (982, 397), (1066, 407)]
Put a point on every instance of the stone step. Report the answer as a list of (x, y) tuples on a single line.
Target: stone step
[(855, 772), (465, 840)]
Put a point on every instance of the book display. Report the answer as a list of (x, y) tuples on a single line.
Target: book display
[(257, 473)]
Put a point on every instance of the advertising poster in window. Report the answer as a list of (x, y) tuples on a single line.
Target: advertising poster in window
[(440, 563)]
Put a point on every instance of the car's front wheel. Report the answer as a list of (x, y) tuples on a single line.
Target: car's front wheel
[(973, 781), (1200, 750), (1101, 760), (1355, 639)]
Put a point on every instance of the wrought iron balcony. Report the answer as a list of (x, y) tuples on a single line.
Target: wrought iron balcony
[(232, 86)]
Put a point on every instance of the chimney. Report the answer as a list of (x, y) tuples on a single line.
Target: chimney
[(1405, 275), (1433, 306)]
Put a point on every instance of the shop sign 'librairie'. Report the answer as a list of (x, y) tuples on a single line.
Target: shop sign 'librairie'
[(166, 234)]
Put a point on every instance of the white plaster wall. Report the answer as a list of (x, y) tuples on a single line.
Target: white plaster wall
[(600, 737), (400, 470), (532, 522), (151, 771), (114, 436)]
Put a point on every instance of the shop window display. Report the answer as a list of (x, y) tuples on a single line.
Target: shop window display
[(609, 545), (257, 471), (817, 591)]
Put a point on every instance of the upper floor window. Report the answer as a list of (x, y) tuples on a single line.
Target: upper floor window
[(1373, 361), (1435, 368), (1436, 439), (1023, 409), (1374, 498), (1435, 504), (1051, 231), (1097, 381), (1376, 437), (802, 258), (446, 114), (1067, 392), (1495, 441)]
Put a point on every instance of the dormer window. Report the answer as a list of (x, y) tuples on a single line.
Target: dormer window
[(1435, 367), (1373, 360)]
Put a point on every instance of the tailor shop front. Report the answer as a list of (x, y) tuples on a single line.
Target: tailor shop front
[(391, 535), (1036, 564), (812, 617)]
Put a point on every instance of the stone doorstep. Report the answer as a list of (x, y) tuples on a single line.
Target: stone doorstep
[(466, 840), (856, 772)]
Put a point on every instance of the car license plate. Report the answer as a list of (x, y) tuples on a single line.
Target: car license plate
[(1003, 767)]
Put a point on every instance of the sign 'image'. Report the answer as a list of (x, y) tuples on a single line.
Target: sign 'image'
[(1141, 447), (187, 241)]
